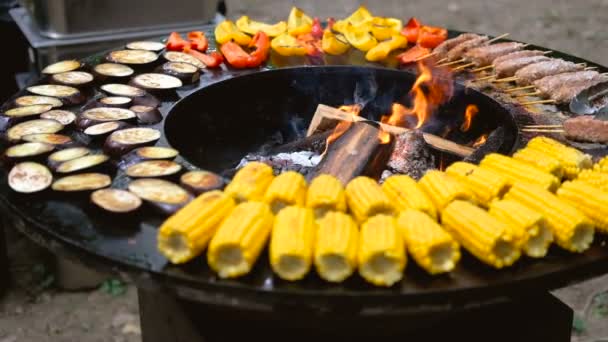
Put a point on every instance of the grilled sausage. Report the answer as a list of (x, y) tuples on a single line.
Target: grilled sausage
[(508, 67), (485, 55), (586, 128), (518, 54), (536, 71), (547, 84), (459, 50), (442, 49)]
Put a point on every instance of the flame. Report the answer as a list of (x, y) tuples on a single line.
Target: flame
[(342, 126), (481, 140), (469, 114), (384, 137)]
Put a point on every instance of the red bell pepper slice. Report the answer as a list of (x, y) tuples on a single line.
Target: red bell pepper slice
[(317, 29), (211, 60), (235, 55), (410, 31), (261, 47), (412, 54), (330, 23), (198, 41), (176, 42), (431, 36), (311, 44)]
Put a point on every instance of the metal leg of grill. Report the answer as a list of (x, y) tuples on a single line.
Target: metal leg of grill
[(5, 273)]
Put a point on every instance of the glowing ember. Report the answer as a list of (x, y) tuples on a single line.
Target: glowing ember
[(469, 114), (480, 141), (342, 126)]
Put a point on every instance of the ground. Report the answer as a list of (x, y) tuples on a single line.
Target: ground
[(35, 309)]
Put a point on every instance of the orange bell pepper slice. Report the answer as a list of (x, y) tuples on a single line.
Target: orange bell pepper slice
[(261, 47), (235, 55), (410, 31), (198, 41), (211, 60), (175, 42), (412, 54), (431, 36)]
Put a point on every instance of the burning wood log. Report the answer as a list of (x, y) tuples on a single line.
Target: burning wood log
[(411, 156)]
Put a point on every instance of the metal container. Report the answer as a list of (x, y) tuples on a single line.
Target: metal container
[(62, 19)]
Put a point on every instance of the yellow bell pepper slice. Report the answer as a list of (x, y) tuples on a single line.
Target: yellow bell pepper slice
[(385, 28), (252, 27), (334, 44), (381, 51), (286, 45), (361, 18), (226, 31), (360, 38), (298, 22)]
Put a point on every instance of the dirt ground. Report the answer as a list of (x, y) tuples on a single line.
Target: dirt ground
[(35, 309)]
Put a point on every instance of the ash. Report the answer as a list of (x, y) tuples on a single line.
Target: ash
[(411, 156), (300, 161)]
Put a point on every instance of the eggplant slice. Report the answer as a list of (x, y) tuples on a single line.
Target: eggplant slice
[(116, 200), (82, 182), (156, 152), (186, 72), (146, 45), (68, 154), (147, 115), (117, 89), (64, 117), (103, 114), (125, 140), (62, 66), (132, 57), (73, 78), (82, 163), (159, 191), (102, 128), (200, 181), (116, 101), (153, 168), (37, 126), (67, 94), (30, 100), (48, 138), (21, 112), (28, 177), (174, 56), (30, 149), (113, 70), (156, 82)]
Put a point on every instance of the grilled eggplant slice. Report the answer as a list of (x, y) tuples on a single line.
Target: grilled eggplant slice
[(115, 71), (156, 152), (68, 95), (147, 115), (76, 79), (29, 177), (104, 128), (98, 115), (117, 89), (125, 140), (37, 126), (199, 181), (82, 163), (166, 196), (64, 117), (186, 72), (156, 83), (132, 57), (28, 150), (82, 182), (115, 101), (146, 45), (59, 140), (30, 100), (62, 66), (62, 156), (174, 56), (116, 200), (153, 168), (20, 114)]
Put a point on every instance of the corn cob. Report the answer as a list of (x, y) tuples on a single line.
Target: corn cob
[(572, 160), (325, 193), (589, 200), (366, 199), (236, 245), (602, 165), (516, 171), (405, 194), (535, 237), (443, 189), (483, 235), (288, 188), (336, 246), (540, 160), (432, 248), (291, 242), (485, 184), (250, 182), (381, 252), (185, 235), (595, 178), (571, 229)]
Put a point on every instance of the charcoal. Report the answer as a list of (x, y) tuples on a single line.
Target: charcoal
[(492, 144), (411, 155), (300, 161)]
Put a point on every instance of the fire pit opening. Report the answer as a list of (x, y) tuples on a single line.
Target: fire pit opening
[(266, 116)]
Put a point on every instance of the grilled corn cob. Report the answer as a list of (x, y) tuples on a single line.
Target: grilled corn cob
[(595, 178), (516, 171), (236, 245), (405, 194), (483, 235), (443, 189), (485, 184), (185, 235), (431, 247), (288, 188), (535, 237), (540, 160), (589, 200), (571, 229), (366, 199), (250, 182), (572, 160), (336, 246), (602, 165), (325, 193), (381, 252)]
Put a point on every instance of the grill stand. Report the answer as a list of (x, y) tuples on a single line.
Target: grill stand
[(539, 317)]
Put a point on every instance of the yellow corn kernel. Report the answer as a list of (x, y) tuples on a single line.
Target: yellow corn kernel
[(292, 242), (573, 161), (185, 235), (366, 199), (443, 189), (589, 200), (483, 235), (528, 225), (602, 165), (516, 171), (540, 160), (404, 193), (571, 229), (325, 193), (381, 252), (595, 178), (250, 182), (336, 246), (432, 248), (237, 244), (485, 184), (288, 188)]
